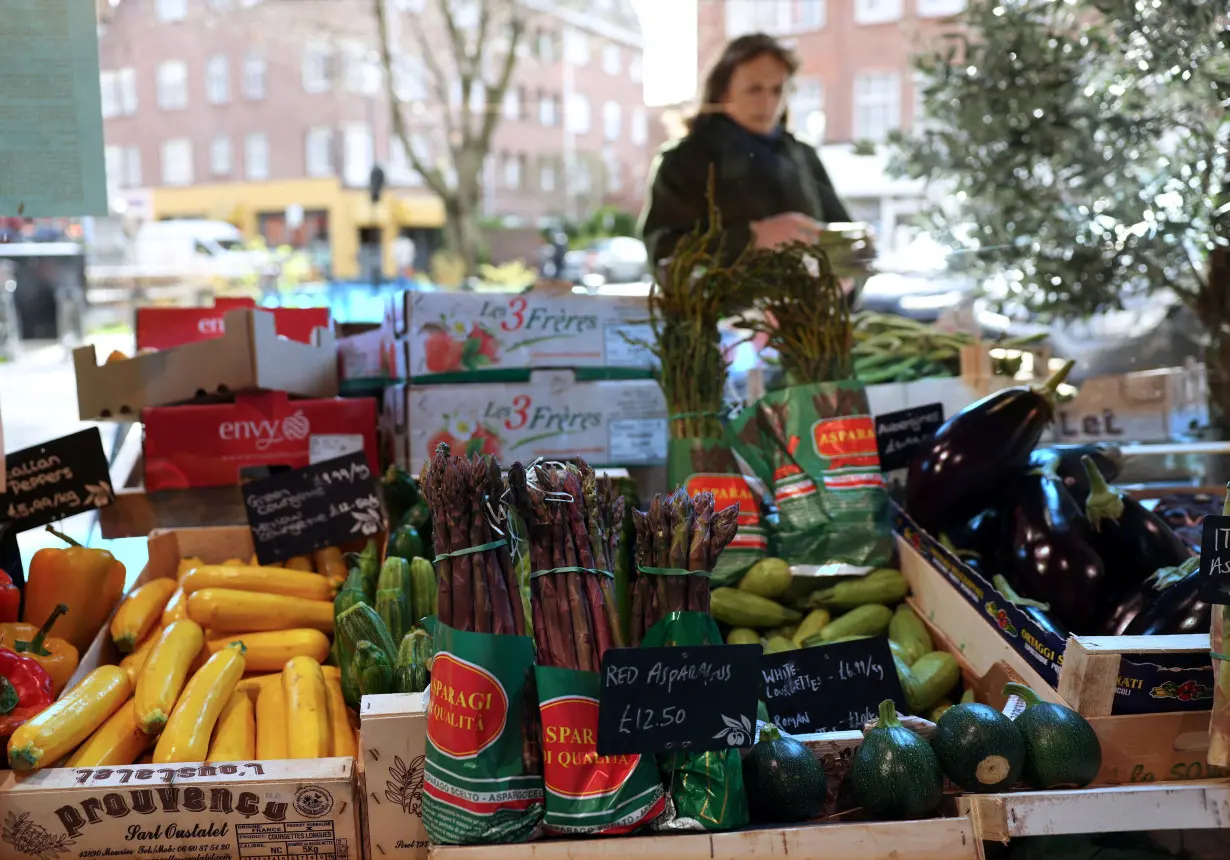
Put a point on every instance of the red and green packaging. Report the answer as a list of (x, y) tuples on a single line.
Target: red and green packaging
[(815, 446), (477, 789)]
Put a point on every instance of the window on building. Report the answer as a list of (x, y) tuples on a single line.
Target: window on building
[(465, 14), (638, 127), (806, 110), (362, 70), (548, 109), (318, 151), (256, 156), (317, 68), (410, 79), (512, 103), (410, 5), (401, 169), (221, 5), (876, 11), (810, 14), (254, 77), (936, 8), (113, 162), (109, 92), (512, 170), (545, 47), (221, 160), (217, 80), (546, 174), (765, 16), (576, 47), (172, 85), (610, 121), (357, 155), (576, 117), (132, 166), (172, 10), (635, 70), (918, 114), (177, 162), (612, 169), (877, 105), (478, 99), (126, 86), (581, 180), (612, 59)]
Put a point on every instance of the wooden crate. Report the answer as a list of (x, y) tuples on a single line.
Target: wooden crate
[(1090, 676)]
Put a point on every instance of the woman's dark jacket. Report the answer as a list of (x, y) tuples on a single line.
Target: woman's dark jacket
[(755, 177)]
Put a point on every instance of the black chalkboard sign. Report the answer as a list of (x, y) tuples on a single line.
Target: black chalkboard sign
[(1215, 560), (694, 698), (56, 480), (898, 434), (830, 688), (301, 510)]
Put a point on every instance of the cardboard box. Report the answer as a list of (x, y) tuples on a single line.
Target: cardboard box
[(248, 355), (208, 445), (1149, 406), (1149, 676), (369, 356), (392, 745), (618, 423), (447, 335), (164, 328)]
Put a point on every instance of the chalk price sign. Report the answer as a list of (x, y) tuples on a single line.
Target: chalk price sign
[(57, 479), (694, 698), (302, 510), (899, 434), (1215, 560)]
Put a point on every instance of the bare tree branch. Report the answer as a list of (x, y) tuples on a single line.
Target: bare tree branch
[(516, 28)]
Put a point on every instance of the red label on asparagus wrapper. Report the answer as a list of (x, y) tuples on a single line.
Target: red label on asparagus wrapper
[(733, 490), (847, 443), (469, 707), (571, 765)]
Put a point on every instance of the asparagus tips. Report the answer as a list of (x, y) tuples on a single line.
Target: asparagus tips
[(725, 524)]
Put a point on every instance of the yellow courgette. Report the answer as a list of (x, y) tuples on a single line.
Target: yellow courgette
[(235, 736), (187, 564), (132, 663), (269, 651), (271, 721), (341, 734), (117, 741), (162, 677), (227, 610), (267, 580), (253, 684), (186, 736), (176, 608), (139, 612), (330, 564), (300, 562), (307, 709), (50, 735)]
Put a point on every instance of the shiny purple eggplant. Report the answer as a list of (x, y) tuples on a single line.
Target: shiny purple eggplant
[(1065, 460), (1172, 603), (964, 468)]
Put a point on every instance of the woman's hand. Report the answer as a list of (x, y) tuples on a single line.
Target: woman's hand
[(785, 228)]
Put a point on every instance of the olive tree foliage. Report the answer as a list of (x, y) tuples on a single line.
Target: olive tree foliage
[(1082, 150)]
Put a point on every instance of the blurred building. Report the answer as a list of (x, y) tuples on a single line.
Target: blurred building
[(856, 85), (271, 114)]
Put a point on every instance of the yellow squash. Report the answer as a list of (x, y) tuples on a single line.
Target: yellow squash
[(269, 651), (307, 709), (271, 721), (300, 562), (133, 662), (52, 734), (292, 583), (342, 741), (186, 736), (235, 736), (139, 612), (162, 676), (117, 741), (253, 684), (330, 564), (187, 564), (227, 610), (176, 608)]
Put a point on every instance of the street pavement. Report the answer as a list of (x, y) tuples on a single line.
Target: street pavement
[(38, 402)]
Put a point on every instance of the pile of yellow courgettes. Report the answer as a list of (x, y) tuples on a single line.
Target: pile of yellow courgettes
[(222, 663)]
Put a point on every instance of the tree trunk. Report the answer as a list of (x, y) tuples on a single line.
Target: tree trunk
[(462, 234)]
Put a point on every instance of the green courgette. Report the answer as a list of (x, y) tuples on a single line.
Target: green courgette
[(373, 669), (422, 590), (784, 780), (978, 748), (895, 774), (1061, 748), (414, 654)]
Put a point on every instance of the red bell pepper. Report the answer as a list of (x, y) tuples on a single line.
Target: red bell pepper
[(10, 599), (25, 690)]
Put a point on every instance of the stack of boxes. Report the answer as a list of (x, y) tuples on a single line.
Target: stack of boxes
[(521, 376)]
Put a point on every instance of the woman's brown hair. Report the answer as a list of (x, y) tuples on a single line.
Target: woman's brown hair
[(737, 52)]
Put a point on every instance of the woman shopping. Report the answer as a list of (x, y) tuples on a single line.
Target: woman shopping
[(771, 188)]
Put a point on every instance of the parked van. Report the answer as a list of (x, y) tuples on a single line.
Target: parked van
[(193, 247)]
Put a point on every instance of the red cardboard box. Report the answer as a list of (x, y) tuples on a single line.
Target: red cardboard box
[(164, 328), (207, 446)]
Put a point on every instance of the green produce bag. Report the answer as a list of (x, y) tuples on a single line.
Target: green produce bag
[(817, 447), (477, 788), (588, 793), (707, 464), (706, 788)]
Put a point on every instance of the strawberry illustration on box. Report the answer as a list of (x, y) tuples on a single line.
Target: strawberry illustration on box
[(466, 434), (449, 347)]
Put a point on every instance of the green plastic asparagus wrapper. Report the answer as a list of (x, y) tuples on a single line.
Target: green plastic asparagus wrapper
[(1219, 723)]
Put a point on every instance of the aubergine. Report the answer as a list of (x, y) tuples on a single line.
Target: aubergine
[(1035, 611), (1065, 460), (983, 535), (1174, 605), (1052, 559), (963, 469), (1133, 541)]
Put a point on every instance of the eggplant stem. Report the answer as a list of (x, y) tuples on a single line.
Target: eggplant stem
[(1003, 587), (1012, 688), (1103, 503), (1225, 506), (888, 715), (1164, 577), (1049, 388)]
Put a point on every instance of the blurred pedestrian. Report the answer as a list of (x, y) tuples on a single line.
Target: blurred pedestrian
[(771, 188)]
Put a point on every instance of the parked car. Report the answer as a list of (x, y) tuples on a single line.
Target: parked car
[(617, 260)]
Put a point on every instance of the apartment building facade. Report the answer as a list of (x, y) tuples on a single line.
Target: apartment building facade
[(856, 85), (272, 113)]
